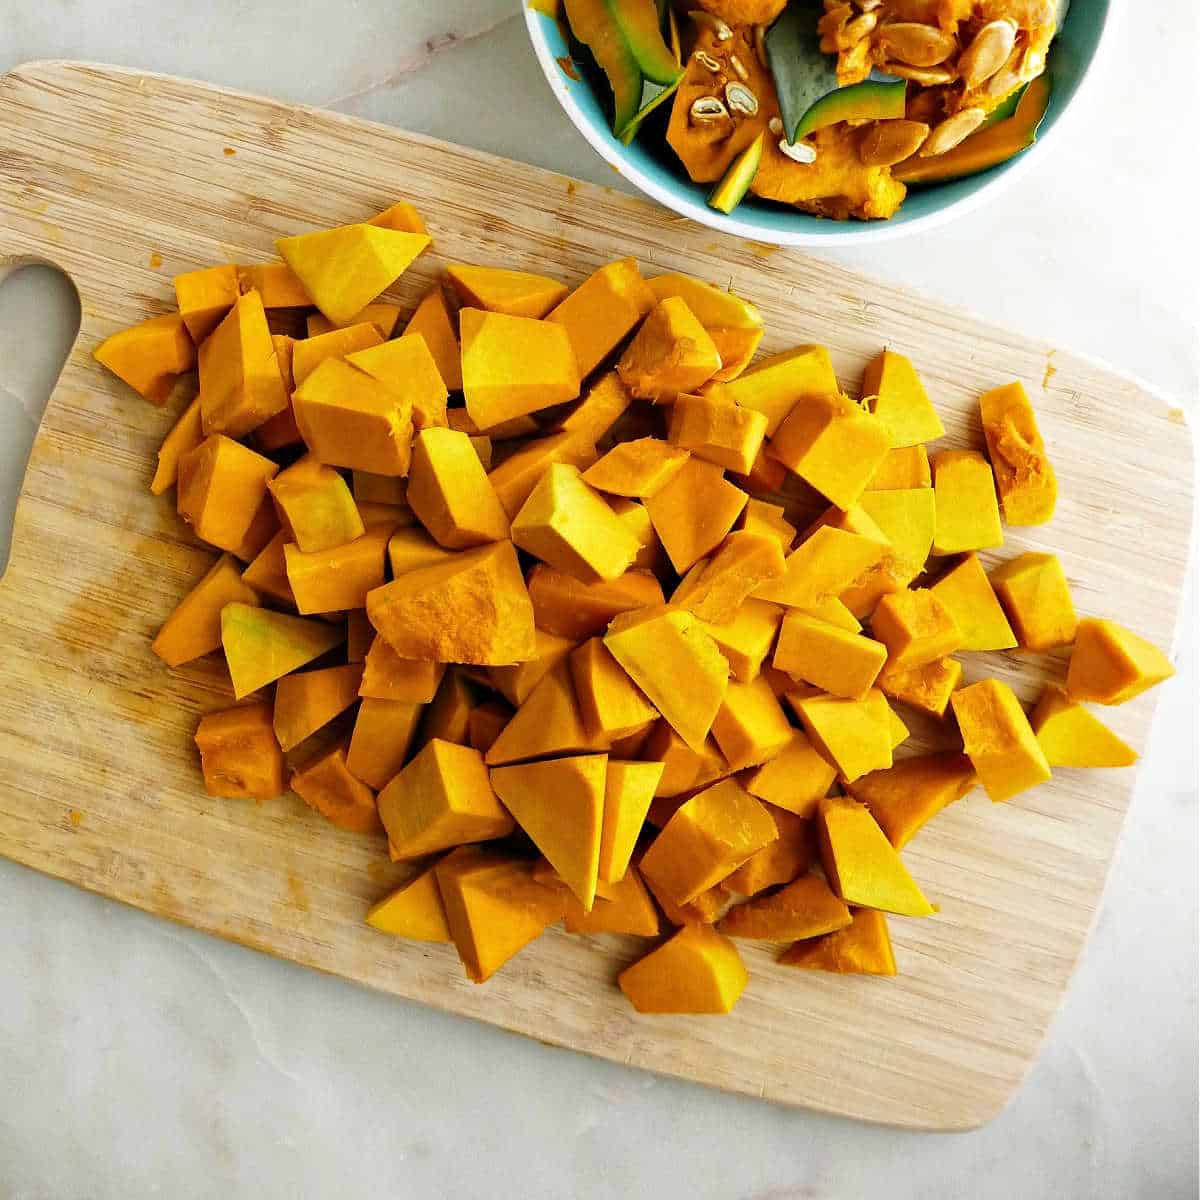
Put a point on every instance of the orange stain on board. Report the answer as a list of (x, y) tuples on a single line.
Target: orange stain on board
[(229, 151), (75, 817), (297, 896), (156, 260)]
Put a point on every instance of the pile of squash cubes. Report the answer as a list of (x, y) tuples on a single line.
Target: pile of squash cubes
[(541, 540)]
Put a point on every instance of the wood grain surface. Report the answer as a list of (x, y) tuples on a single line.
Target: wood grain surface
[(123, 180)]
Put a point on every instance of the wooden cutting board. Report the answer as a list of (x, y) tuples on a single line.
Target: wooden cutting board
[(123, 180)]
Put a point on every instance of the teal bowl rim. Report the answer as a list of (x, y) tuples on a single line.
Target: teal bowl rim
[(1073, 65)]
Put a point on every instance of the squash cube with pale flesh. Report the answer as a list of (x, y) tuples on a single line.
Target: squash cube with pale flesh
[(805, 908), (344, 269), (750, 726), (185, 435), (747, 638), (516, 477), (443, 798), (661, 648), (706, 909), (708, 838), (833, 445), (715, 590), (1024, 477), (1034, 592), (837, 661), (494, 907), (734, 324), (904, 468), (408, 367), (854, 735), (401, 216), (549, 722), (306, 701), (241, 385), (636, 469), (515, 293), (431, 321), (276, 283), (560, 805), (927, 687), (998, 739), (309, 353), (893, 391), (266, 573), (694, 512), (194, 627), (629, 788), (222, 485), (414, 910), (916, 627), (387, 676), (340, 578), (778, 384), (697, 971), (968, 595), (1111, 664), (635, 518), (382, 737), (821, 568), (262, 646), (239, 755), (326, 785), (717, 431), (1070, 736), (568, 525), (764, 518), (149, 357), (670, 353), (907, 795), (204, 297), (684, 769), (513, 365), (907, 519), (449, 491), (863, 947), (411, 547), (627, 908), (598, 314), (515, 683), (315, 506), (860, 863), (789, 856), (611, 706), (350, 420), (968, 517), (795, 780), (570, 608), (473, 608)]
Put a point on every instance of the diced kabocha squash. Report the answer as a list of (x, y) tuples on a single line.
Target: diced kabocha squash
[(627, 908), (839, 662), (494, 907), (262, 646), (719, 432), (387, 676), (734, 324), (413, 911), (927, 687), (548, 722), (854, 735), (636, 469), (894, 393), (670, 353), (597, 315), (609, 703), (697, 971), (904, 797), (560, 805), (239, 754), (750, 726), (340, 578), (795, 780), (204, 297), (694, 512), (194, 627), (384, 731), (968, 596), (628, 790), (805, 908), (443, 798), (567, 607), (1024, 477), (473, 608), (186, 434), (149, 357), (315, 506), (716, 588), (344, 269), (821, 568), (916, 626), (431, 321), (449, 492), (517, 293), (998, 739), (863, 947), (305, 701), (222, 486), (780, 861), (777, 384), (1070, 736), (1111, 664), (408, 366), (312, 351), (326, 785), (968, 516), (1034, 592)]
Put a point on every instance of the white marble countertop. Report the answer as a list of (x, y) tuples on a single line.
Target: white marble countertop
[(138, 1058)]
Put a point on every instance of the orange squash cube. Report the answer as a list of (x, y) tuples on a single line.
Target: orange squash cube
[(670, 353), (1111, 664), (341, 577), (204, 297), (697, 971), (326, 785), (306, 701), (239, 754), (220, 489), (149, 357), (431, 321), (407, 366), (194, 628), (516, 293), (315, 506)]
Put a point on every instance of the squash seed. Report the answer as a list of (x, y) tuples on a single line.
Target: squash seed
[(741, 100), (860, 27), (707, 61), (987, 53), (919, 45), (925, 76), (885, 143), (952, 131), (708, 110), (739, 70), (722, 31), (801, 152), (775, 125)]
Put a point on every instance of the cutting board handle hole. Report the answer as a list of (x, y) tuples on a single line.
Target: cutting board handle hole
[(39, 321)]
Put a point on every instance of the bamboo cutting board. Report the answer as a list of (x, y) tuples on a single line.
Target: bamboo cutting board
[(123, 180)]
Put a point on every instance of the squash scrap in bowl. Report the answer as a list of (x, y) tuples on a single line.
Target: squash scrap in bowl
[(835, 142)]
